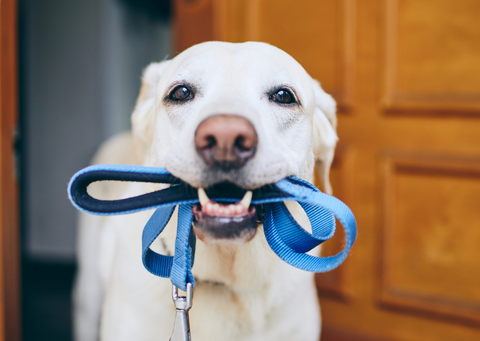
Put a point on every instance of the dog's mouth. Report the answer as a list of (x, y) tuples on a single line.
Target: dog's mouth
[(226, 220)]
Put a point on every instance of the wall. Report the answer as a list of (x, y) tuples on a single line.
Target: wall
[(80, 70)]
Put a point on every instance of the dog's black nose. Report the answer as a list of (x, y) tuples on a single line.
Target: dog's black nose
[(226, 141)]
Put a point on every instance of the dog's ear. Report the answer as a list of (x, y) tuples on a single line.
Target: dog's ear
[(143, 117), (324, 134)]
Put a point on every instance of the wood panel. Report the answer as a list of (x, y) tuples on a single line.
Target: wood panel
[(431, 236), (9, 238), (431, 64)]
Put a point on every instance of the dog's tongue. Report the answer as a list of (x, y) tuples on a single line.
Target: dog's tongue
[(213, 208)]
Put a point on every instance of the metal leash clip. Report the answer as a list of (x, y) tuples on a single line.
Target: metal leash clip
[(181, 327)]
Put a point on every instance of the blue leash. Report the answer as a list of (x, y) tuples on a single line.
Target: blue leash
[(284, 235)]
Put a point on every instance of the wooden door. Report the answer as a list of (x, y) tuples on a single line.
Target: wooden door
[(9, 237), (406, 76)]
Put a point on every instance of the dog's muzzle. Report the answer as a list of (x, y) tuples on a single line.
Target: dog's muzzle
[(225, 143)]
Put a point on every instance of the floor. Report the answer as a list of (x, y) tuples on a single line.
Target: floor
[(46, 301)]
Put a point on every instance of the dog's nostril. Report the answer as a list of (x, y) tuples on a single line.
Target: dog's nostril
[(246, 142), (240, 143), (210, 142), (206, 142)]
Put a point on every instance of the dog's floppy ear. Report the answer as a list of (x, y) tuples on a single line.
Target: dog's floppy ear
[(324, 134), (143, 116)]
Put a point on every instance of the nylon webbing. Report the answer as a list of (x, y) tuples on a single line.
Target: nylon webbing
[(285, 237)]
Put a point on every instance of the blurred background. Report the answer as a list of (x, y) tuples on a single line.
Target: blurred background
[(406, 77), (80, 68)]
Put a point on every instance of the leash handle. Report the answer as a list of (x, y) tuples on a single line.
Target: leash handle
[(78, 194), (178, 193)]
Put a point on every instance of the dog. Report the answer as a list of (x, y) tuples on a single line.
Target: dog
[(241, 114)]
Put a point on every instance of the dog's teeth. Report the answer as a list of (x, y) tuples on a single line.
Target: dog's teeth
[(247, 199), (202, 196)]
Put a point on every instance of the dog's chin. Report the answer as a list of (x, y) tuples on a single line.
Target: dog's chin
[(219, 222)]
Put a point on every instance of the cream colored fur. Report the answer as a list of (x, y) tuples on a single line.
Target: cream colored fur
[(243, 293)]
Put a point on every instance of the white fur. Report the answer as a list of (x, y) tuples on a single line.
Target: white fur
[(243, 292)]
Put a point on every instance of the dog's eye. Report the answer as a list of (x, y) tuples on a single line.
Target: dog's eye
[(181, 93), (283, 96)]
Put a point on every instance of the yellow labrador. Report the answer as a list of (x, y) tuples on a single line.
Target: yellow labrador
[(243, 115)]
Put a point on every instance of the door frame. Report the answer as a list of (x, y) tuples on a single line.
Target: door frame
[(9, 217)]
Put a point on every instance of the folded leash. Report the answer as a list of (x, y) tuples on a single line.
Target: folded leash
[(284, 235)]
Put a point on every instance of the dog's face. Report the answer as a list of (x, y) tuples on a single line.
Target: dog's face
[(235, 117)]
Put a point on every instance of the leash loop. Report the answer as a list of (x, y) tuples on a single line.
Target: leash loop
[(284, 235)]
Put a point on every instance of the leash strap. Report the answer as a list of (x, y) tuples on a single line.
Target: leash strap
[(284, 235)]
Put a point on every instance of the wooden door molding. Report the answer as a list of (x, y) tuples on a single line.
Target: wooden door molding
[(431, 272), (406, 94), (332, 334), (9, 231)]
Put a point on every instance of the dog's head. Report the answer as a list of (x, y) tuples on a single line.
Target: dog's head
[(234, 117)]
